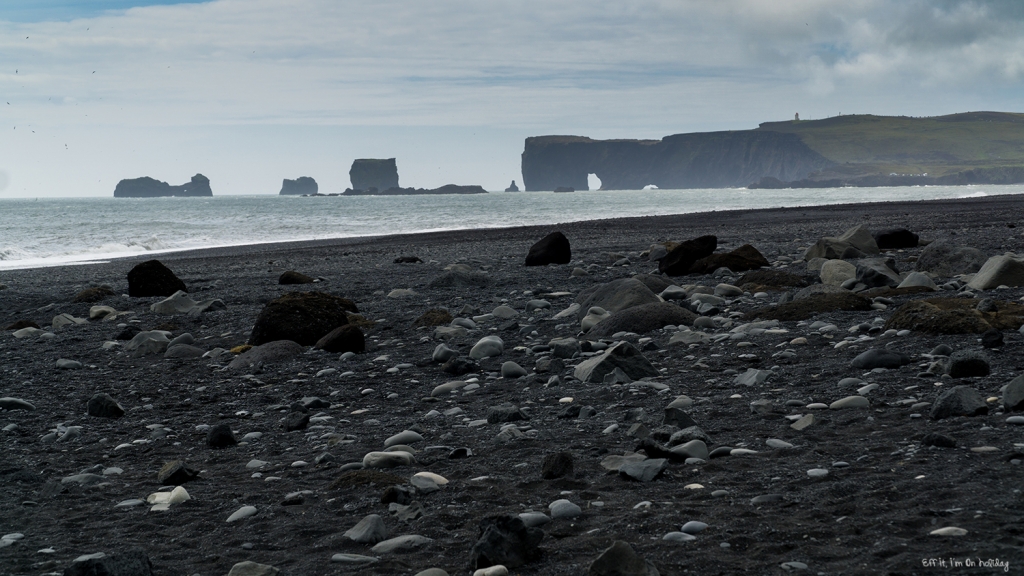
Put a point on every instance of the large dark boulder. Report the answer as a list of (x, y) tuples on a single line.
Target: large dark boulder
[(744, 258), (681, 258), (347, 338), (303, 317), (152, 278), (808, 307), (895, 239), (551, 249), (507, 541), (944, 258), (642, 319), (759, 280), (616, 295), (955, 316), (298, 187)]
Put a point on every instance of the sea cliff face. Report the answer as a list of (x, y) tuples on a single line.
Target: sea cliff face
[(369, 173), (303, 185), (700, 160), (147, 187)]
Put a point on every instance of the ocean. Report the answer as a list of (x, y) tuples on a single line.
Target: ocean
[(57, 231)]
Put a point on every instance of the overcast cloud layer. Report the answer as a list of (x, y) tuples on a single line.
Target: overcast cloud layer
[(252, 91)]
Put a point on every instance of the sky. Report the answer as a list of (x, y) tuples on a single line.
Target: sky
[(248, 92)]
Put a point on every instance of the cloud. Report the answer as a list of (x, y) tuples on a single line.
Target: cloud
[(645, 68)]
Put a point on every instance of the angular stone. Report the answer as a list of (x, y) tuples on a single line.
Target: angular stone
[(644, 471), (958, 401), (369, 530), (505, 541), (102, 405), (1013, 395), (347, 338), (998, 271), (621, 560), (680, 259), (176, 473), (622, 355), (556, 465)]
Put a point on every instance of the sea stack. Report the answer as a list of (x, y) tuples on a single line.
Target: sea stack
[(369, 173), (147, 187), (512, 188), (301, 186)]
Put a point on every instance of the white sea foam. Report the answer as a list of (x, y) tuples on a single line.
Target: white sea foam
[(58, 231)]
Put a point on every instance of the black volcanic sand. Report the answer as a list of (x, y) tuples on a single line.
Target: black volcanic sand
[(873, 516)]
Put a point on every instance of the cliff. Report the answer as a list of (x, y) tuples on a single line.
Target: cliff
[(853, 150), (303, 185), (147, 187), (446, 189), (700, 160), (369, 173)]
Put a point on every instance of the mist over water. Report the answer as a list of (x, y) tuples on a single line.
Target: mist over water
[(56, 231)]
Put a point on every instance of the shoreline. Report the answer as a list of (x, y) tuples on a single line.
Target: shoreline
[(712, 218)]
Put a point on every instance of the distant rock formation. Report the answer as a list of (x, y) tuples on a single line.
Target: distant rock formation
[(512, 188), (396, 191), (303, 185), (147, 187), (369, 173), (706, 160)]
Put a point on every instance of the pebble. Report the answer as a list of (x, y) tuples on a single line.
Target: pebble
[(388, 459), (353, 559), (534, 519), (66, 364), (949, 531), (242, 513), (849, 402), (564, 509), (817, 472), (403, 437), (1015, 420), (694, 527), (678, 537), (793, 566), (776, 443), (401, 543)]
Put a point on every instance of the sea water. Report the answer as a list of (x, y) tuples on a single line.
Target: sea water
[(55, 231)]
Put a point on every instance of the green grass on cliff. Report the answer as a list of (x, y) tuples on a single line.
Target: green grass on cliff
[(862, 144)]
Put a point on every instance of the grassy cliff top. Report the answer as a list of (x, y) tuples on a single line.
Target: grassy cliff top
[(862, 144)]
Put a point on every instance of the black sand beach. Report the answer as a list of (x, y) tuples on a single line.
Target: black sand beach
[(890, 476)]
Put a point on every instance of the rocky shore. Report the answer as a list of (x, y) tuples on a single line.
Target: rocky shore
[(762, 392)]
